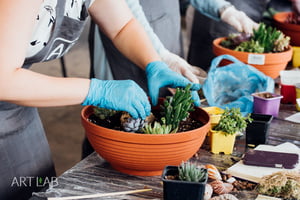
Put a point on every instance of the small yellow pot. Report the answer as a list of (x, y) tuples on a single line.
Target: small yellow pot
[(221, 143), (214, 113), (296, 56)]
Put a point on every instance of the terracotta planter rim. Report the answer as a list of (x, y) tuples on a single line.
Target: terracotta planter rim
[(280, 18), (284, 56), (148, 138)]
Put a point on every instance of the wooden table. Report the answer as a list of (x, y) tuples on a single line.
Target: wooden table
[(94, 175)]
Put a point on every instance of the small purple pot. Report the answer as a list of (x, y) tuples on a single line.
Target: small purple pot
[(266, 103)]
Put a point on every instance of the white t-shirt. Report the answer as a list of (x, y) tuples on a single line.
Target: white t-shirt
[(46, 20)]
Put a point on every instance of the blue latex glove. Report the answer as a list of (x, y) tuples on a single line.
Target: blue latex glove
[(160, 75), (122, 95)]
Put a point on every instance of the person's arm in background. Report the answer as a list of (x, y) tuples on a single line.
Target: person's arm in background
[(133, 42), (226, 12), (175, 62), (22, 86), (25, 87)]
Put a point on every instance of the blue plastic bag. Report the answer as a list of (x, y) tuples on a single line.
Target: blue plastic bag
[(232, 85)]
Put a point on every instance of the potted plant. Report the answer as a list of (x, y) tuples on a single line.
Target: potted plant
[(267, 49), (257, 130), (222, 136), (289, 24), (266, 103), (186, 181), (174, 136)]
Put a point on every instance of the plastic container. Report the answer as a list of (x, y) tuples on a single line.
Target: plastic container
[(257, 130), (296, 56), (221, 142), (179, 190), (288, 93), (214, 113), (266, 103), (288, 79), (297, 85)]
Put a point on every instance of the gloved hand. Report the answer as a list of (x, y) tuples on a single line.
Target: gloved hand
[(238, 19), (179, 65), (123, 95), (160, 75)]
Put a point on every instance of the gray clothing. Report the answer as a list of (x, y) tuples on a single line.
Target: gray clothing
[(24, 150), (205, 29), (165, 22)]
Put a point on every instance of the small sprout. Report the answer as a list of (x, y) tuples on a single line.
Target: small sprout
[(157, 128), (232, 121), (191, 172)]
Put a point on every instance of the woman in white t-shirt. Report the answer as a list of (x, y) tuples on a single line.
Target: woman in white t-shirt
[(38, 31)]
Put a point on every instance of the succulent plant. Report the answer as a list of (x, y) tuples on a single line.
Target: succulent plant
[(191, 172), (130, 124), (103, 113), (176, 108), (265, 39), (269, 38), (232, 121), (250, 46), (157, 128)]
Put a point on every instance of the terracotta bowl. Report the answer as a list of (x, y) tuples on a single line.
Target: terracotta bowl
[(273, 62), (292, 30), (144, 154)]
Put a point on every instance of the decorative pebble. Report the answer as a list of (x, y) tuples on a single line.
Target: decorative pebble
[(219, 187), (225, 197), (208, 192), (231, 180)]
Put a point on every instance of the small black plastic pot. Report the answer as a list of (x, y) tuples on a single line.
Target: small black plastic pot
[(257, 131), (178, 189)]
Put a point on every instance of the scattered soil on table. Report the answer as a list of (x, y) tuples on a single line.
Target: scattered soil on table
[(240, 184)]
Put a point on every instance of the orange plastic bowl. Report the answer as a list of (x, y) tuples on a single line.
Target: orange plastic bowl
[(273, 62), (145, 154), (292, 30)]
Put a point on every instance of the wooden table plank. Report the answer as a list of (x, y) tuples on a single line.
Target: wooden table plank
[(94, 175)]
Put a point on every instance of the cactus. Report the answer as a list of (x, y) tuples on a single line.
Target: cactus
[(176, 108), (157, 128), (190, 172)]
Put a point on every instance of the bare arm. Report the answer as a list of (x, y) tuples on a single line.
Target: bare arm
[(131, 39), (24, 87)]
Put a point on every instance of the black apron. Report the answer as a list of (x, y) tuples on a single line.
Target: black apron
[(25, 157)]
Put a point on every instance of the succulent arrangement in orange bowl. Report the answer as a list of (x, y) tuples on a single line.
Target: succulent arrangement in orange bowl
[(173, 133), (267, 49), (289, 24)]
